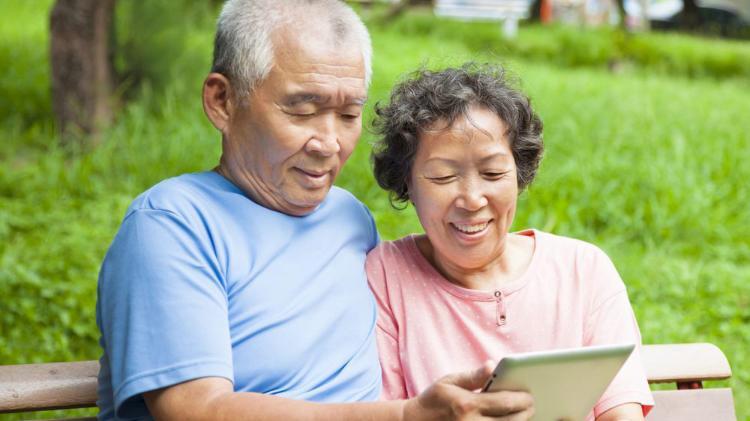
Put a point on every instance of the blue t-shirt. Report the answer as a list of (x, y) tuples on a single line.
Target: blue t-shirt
[(201, 281)]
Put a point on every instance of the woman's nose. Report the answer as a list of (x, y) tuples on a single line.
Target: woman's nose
[(471, 198)]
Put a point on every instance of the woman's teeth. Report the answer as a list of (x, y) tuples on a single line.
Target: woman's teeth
[(470, 229)]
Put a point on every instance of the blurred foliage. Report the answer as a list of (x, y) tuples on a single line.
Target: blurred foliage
[(647, 141), (603, 47), (154, 41)]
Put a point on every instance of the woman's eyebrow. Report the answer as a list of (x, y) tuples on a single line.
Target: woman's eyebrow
[(440, 160), (501, 154)]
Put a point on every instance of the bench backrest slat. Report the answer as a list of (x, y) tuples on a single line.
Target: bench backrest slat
[(693, 405), (483, 9)]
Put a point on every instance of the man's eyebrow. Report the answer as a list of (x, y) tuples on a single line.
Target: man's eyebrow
[(358, 101), (296, 99), (304, 97)]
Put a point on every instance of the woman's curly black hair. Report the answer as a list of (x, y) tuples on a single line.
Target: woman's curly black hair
[(428, 96)]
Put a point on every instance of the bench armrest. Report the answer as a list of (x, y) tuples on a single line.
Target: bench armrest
[(36, 387), (685, 363)]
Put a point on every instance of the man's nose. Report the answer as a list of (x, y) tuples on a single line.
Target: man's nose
[(325, 139)]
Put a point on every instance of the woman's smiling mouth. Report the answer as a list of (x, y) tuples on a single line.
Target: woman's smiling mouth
[(471, 228)]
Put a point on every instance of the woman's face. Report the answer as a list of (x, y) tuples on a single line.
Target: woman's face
[(463, 186)]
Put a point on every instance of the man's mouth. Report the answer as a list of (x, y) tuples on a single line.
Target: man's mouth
[(313, 173), (314, 178)]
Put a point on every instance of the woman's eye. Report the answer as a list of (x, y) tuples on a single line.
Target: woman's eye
[(494, 175), (442, 179)]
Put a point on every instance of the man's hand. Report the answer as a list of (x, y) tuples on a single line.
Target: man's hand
[(453, 397)]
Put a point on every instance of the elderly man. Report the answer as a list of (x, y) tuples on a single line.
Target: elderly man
[(240, 293)]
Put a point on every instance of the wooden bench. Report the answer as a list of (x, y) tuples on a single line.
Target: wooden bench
[(688, 365), (36, 387), (507, 11)]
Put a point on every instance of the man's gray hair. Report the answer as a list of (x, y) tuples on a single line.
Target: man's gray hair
[(244, 50)]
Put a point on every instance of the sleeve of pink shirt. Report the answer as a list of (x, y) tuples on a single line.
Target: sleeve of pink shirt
[(612, 321), (386, 330)]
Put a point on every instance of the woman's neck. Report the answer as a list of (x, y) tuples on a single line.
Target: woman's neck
[(508, 266)]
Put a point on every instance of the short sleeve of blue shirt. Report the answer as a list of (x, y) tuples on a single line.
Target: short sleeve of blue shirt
[(200, 279), (165, 284)]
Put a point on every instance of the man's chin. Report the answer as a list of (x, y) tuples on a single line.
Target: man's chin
[(305, 204)]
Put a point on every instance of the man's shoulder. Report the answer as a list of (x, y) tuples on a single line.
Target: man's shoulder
[(343, 196), (339, 199), (176, 194)]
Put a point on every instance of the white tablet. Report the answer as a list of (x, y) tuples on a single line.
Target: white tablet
[(565, 383)]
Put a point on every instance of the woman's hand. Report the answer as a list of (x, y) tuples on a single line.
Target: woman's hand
[(453, 397)]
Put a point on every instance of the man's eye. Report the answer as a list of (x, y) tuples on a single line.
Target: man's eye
[(350, 116), (299, 113)]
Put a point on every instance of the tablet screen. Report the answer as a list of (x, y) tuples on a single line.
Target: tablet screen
[(565, 383)]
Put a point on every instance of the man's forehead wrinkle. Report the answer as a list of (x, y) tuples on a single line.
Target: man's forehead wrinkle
[(345, 81), (343, 71), (337, 65)]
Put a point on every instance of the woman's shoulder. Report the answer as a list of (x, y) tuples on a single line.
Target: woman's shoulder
[(401, 249), (579, 260), (392, 263), (566, 246)]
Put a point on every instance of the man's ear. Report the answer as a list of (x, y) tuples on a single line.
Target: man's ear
[(218, 102)]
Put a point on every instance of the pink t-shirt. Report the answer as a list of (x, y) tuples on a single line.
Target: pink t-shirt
[(570, 296)]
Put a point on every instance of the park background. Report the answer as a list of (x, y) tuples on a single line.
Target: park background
[(647, 155)]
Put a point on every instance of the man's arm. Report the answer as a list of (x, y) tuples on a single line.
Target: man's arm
[(450, 398)]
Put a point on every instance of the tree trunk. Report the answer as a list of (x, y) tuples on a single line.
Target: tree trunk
[(82, 72), (689, 17), (623, 14)]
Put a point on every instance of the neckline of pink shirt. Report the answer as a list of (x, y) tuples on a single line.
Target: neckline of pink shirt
[(475, 294)]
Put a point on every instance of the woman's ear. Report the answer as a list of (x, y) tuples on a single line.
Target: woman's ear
[(217, 100)]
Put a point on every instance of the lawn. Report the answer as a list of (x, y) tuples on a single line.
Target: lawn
[(647, 159)]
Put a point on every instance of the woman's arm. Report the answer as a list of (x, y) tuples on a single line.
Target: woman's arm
[(625, 412)]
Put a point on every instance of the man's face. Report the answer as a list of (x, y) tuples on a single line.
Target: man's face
[(286, 145)]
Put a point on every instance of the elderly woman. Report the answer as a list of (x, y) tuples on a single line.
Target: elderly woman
[(460, 145)]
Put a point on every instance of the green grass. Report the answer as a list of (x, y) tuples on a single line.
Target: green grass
[(649, 162)]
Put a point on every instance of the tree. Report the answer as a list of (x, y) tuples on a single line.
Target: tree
[(689, 18), (81, 34)]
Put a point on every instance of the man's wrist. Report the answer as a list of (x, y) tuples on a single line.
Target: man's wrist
[(412, 409)]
